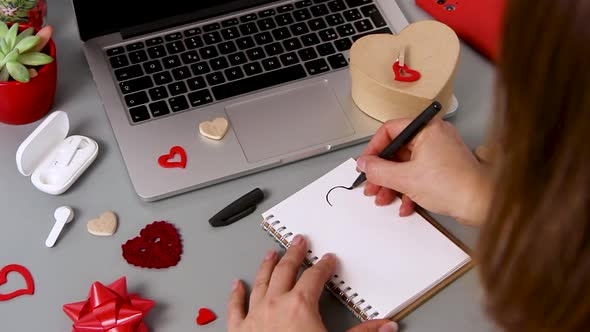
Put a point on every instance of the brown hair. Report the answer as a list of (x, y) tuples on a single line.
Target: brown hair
[(535, 247)]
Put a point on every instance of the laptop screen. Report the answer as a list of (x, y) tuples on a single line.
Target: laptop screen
[(135, 17)]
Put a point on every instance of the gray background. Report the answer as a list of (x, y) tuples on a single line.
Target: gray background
[(212, 258)]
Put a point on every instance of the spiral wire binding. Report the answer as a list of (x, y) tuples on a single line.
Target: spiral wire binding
[(356, 304)]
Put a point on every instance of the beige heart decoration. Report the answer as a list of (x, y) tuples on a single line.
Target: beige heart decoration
[(105, 225), (430, 47), (215, 129)]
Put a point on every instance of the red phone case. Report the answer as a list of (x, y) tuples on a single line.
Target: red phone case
[(477, 22)]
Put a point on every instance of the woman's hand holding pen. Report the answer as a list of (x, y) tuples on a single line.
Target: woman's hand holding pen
[(435, 170)]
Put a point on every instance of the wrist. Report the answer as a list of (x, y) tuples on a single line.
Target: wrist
[(478, 198)]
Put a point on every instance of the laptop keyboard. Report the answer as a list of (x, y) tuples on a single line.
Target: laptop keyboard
[(184, 70)]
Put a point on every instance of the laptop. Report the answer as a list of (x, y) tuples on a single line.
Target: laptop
[(276, 70)]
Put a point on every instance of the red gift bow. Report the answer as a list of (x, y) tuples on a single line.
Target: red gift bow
[(109, 309)]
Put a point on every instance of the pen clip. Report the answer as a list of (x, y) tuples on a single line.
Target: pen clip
[(237, 216)]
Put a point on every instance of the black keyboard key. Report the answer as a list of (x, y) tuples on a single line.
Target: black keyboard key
[(352, 15), (128, 72), (373, 13), (346, 30), (139, 113), (115, 51), (237, 58), (175, 47), (252, 69), (200, 68), (211, 27), (134, 47), (199, 98), (178, 103), (248, 28), (343, 44), (319, 1), (177, 88), (196, 83), (157, 52), (302, 14), (230, 22), (266, 13), (215, 78), (192, 32), (136, 84), (154, 41), (219, 63), (138, 56), (234, 73), (363, 26), (208, 52), (119, 61), (266, 24), (285, 8), (357, 3), (181, 73), (382, 30), (158, 93), (273, 49), (319, 10), (162, 78), (248, 18), (334, 19), (303, 3), (159, 108), (337, 61), (328, 34), (172, 61), (230, 33), (227, 47), (307, 54), (136, 99), (173, 36), (263, 38), (245, 43), (317, 24), (271, 63), (190, 57), (299, 29), (255, 53), (153, 66), (317, 66), (212, 38), (289, 59), (284, 19), (281, 33), (193, 42), (292, 44), (336, 6), (326, 49), (265, 80), (310, 39)]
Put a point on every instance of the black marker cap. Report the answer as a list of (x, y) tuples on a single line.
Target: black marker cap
[(237, 210)]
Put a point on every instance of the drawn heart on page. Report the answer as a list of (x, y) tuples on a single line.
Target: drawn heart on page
[(215, 129), (158, 246), (166, 160), (19, 269), (205, 316), (431, 48)]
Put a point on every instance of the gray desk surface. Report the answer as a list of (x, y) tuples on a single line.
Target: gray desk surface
[(212, 257)]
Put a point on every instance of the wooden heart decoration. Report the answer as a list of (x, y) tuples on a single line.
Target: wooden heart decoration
[(205, 316), (157, 246), (215, 129), (105, 225), (431, 48), (166, 160), (30, 290)]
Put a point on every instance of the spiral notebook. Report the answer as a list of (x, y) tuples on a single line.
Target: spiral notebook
[(388, 265)]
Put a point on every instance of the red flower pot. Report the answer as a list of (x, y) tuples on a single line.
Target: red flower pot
[(22, 103)]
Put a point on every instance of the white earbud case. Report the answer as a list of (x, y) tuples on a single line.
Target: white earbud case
[(53, 160)]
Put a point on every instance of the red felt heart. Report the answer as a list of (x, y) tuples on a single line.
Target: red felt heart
[(157, 246), (165, 160), (24, 273), (205, 316), (404, 73)]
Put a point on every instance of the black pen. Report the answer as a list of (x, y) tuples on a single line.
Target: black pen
[(404, 137)]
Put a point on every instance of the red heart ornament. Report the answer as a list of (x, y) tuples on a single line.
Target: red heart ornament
[(404, 73), (165, 160), (30, 290), (158, 246), (205, 316)]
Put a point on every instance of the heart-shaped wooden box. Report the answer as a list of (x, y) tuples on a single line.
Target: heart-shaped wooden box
[(430, 47)]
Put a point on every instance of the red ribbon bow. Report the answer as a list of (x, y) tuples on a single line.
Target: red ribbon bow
[(109, 309)]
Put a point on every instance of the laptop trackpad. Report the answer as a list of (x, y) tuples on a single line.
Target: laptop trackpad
[(288, 121)]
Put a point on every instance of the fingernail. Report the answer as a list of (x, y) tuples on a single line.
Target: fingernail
[(270, 255), (389, 327), (297, 241), (328, 256), (361, 164), (235, 285)]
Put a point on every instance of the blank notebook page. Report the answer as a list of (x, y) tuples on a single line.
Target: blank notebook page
[(389, 261)]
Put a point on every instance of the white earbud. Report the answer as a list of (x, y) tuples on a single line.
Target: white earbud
[(65, 156), (63, 215)]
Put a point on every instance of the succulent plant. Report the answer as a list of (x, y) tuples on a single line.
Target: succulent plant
[(21, 53)]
